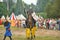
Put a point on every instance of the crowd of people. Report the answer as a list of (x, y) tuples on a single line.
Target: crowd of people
[(41, 23), (53, 24), (49, 23)]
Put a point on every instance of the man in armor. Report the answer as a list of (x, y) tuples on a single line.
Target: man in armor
[(30, 25)]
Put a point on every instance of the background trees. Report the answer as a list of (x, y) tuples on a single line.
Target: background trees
[(49, 7), (53, 9), (3, 9)]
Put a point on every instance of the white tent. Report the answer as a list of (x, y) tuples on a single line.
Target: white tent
[(21, 17), (35, 16), (18, 17), (3, 17), (7, 17), (12, 17)]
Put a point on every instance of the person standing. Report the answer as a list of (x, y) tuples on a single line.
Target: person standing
[(47, 23), (0, 21), (8, 31), (58, 22), (30, 26)]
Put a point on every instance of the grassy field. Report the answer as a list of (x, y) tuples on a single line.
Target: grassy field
[(19, 34)]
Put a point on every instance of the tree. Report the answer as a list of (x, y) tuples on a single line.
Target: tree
[(53, 10), (41, 4), (33, 7), (4, 0), (3, 9), (57, 8), (9, 5), (10, 2), (19, 7)]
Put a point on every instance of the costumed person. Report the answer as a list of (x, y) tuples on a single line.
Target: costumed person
[(0, 21), (58, 22), (8, 31), (30, 26), (47, 23)]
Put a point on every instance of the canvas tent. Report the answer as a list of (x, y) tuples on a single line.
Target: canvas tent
[(35, 16), (20, 17), (7, 17), (12, 18), (3, 17)]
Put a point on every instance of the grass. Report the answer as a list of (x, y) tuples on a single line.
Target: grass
[(22, 37)]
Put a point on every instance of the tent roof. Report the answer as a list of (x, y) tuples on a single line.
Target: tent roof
[(3, 17), (13, 17), (35, 16), (21, 17), (7, 17)]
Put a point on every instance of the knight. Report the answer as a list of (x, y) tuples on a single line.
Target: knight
[(30, 25)]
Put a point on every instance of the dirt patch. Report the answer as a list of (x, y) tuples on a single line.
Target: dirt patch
[(40, 33), (48, 33), (18, 33)]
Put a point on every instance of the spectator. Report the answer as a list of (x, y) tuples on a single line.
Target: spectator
[(58, 22)]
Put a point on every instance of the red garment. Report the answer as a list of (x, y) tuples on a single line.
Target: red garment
[(0, 22), (48, 21)]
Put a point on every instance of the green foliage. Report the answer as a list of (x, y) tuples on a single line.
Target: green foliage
[(19, 7), (41, 4), (11, 6), (43, 14), (50, 8), (3, 9), (53, 9), (10, 3)]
